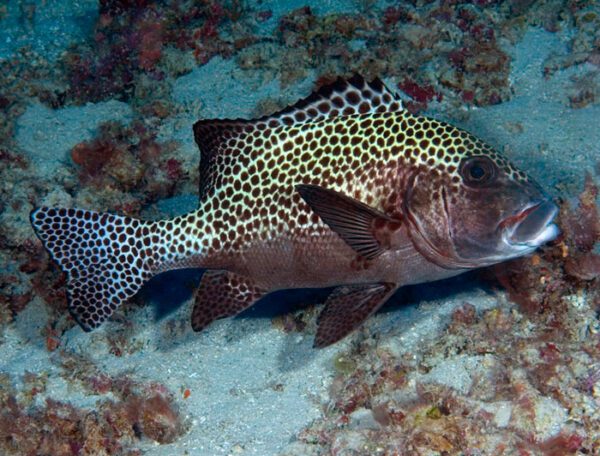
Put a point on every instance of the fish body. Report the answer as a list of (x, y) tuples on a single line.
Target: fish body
[(343, 189)]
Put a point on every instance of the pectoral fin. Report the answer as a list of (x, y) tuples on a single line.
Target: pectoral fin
[(352, 220), (347, 307), (223, 294)]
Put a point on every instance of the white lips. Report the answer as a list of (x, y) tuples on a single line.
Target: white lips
[(550, 232), (547, 234)]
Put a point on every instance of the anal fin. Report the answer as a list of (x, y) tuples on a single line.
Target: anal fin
[(223, 294), (347, 307)]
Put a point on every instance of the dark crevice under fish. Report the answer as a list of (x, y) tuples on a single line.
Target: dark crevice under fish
[(344, 189)]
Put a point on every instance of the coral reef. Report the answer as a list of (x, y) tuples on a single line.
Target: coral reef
[(527, 378), (130, 161), (493, 383), (135, 411), (131, 39), (459, 39), (585, 42)]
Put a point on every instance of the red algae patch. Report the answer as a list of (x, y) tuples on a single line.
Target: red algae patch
[(132, 38), (129, 160), (58, 428), (132, 412)]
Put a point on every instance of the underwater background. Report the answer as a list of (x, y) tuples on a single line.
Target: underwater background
[(97, 102)]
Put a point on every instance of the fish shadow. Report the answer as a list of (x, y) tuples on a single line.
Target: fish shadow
[(412, 295), (298, 350), (170, 295), (170, 291), (285, 306)]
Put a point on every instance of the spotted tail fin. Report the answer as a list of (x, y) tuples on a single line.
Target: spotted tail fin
[(107, 258)]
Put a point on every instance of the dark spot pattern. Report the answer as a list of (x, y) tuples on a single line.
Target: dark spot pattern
[(100, 255), (222, 294), (360, 150)]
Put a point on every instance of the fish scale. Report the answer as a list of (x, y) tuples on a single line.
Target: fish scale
[(321, 153), (345, 188)]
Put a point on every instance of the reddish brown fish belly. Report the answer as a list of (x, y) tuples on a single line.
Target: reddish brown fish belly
[(293, 262)]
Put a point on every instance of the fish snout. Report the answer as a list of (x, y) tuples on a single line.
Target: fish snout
[(532, 226)]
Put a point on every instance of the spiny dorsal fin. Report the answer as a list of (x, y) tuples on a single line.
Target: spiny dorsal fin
[(344, 97)]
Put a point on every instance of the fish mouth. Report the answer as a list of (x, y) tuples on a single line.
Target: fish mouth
[(531, 227)]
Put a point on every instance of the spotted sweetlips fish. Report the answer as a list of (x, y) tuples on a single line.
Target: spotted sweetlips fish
[(344, 189)]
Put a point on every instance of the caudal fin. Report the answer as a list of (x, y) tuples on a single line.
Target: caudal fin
[(107, 258)]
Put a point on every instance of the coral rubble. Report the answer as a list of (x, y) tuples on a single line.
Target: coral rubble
[(136, 411)]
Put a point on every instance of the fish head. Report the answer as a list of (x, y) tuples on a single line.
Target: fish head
[(476, 208)]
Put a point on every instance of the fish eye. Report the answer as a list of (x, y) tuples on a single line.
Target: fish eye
[(477, 171)]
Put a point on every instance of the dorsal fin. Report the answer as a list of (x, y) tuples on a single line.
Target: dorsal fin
[(344, 97), (212, 137)]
